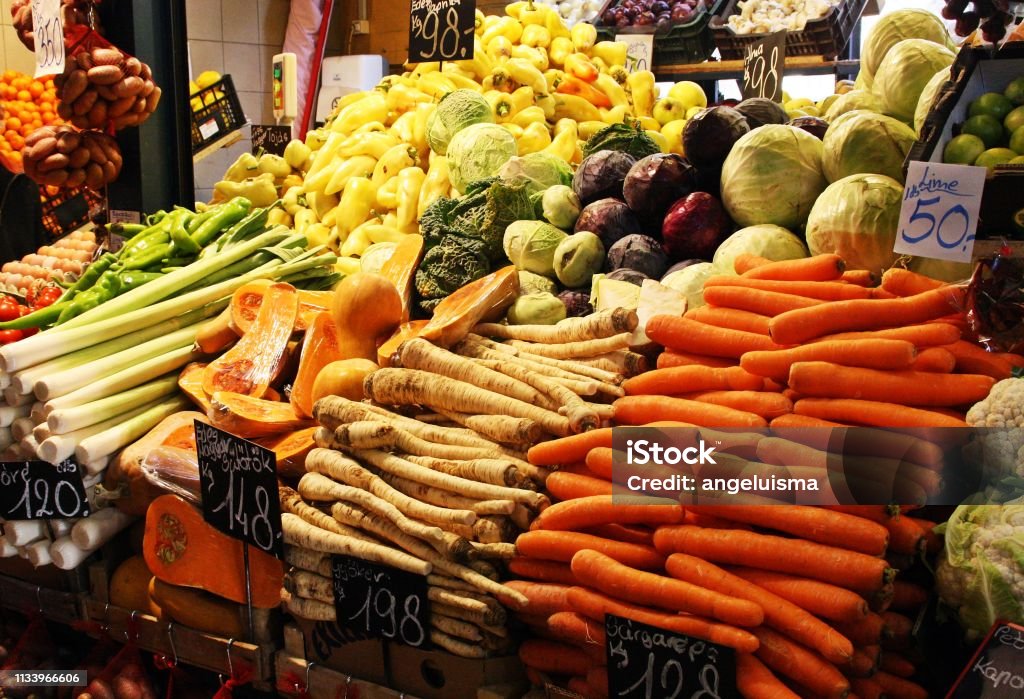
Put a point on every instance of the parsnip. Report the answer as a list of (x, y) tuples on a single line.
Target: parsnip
[(574, 350), (310, 586), (623, 362), (594, 326), (307, 608), (482, 348), (307, 559), (292, 502), (519, 431), (494, 471), (581, 418), (456, 627), (298, 532), (497, 551), (455, 646), (444, 498)]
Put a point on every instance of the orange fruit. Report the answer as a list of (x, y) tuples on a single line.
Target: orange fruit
[(36, 88), (13, 124), (24, 95)]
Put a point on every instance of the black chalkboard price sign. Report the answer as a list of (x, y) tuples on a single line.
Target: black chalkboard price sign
[(238, 480), (441, 30), (270, 138), (38, 490), (997, 669), (645, 662), (381, 601), (763, 64)]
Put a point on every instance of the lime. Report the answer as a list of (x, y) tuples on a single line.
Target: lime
[(963, 149), (1014, 120), (1015, 91), (995, 156), (993, 104), (1017, 140), (985, 127)]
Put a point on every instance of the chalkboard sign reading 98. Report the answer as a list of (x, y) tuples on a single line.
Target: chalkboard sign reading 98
[(381, 601), (38, 490), (645, 662), (238, 480), (441, 30)]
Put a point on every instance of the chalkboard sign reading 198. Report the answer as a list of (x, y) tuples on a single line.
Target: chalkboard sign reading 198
[(645, 662), (381, 601), (238, 480), (38, 490), (441, 30)]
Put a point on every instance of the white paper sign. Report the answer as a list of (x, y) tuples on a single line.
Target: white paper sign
[(639, 50), (49, 37), (939, 215)]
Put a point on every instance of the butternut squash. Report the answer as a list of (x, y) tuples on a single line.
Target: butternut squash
[(485, 299), (129, 586), (216, 334), (247, 300), (405, 331), (291, 449), (249, 367), (400, 269), (190, 381), (248, 417), (366, 307), (197, 609), (181, 549), (319, 348), (343, 378)]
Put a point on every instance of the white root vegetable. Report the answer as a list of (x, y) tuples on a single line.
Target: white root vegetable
[(307, 608), (579, 382), (574, 350), (10, 413), (495, 471), (444, 498), (496, 551), (307, 559), (66, 555), (485, 613), (292, 502), (310, 586), (594, 326), (624, 362), (91, 532), (449, 583), (518, 431), (455, 646), (7, 549), (456, 627), (298, 532), (38, 553), (22, 532), (581, 418)]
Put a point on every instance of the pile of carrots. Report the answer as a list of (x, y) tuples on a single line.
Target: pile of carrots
[(806, 596), (803, 343)]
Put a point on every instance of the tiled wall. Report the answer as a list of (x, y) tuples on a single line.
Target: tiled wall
[(236, 37)]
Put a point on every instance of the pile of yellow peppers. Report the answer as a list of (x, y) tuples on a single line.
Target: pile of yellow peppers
[(370, 173)]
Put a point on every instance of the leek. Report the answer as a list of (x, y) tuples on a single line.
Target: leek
[(62, 446), (109, 441), (68, 420)]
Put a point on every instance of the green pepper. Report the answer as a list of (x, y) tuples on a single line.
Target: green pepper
[(154, 235), (106, 288), (92, 273), (38, 318), (148, 257), (232, 212), (143, 234), (125, 229), (200, 218), (155, 218), (132, 279), (180, 240)]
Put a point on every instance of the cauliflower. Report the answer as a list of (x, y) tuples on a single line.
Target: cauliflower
[(999, 440), (981, 572)]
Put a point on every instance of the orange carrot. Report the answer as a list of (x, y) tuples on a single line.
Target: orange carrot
[(873, 413), (687, 379), (828, 380), (774, 386), (544, 571), (578, 685), (768, 303), (819, 598), (908, 596), (875, 513), (905, 536), (595, 510), (745, 261), (599, 462), (624, 533), (566, 486), (607, 575), (896, 664), (697, 518), (571, 85), (864, 662), (803, 324), (682, 334), (880, 601), (860, 277), (976, 360), (932, 541), (576, 629), (639, 410), (894, 686), (924, 335), (867, 688), (767, 405), (779, 613), (903, 282), (880, 293), (811, 523), (732, 318), (784, 452), (671, 358), (848, 569), (550, 656), (934, 359), (794, 420), (866, 631), (562, 546), (899, 628), (755, 681), (876, 354), (544, 598), (804, 666), (569, 449), (594, 605), (597, 682), (820, 268), (823, 291)]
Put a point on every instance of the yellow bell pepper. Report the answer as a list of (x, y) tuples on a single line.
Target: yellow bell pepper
[(379, 233), (410, 182), (560, 49), (437, 85), (488, 84), (424, 68), (373, 107), (535, 137), (391, 163), (563, 145), (316, 180), (401, 98), (528, 116), (245, 166), (547, 103), (649, 123), (354, 244), (576, 108), (317, 235), (589, 128), (481, 64), (578, 65), (303, 219), (532, 15), (641, 87), (274, 165), (351, 98), (619, 74), (537, 36), (489, 21), (513, 129), (321, 204), (613, 53), (316, 138), (524, 73), (330, 219), (326, 154), (374, 144), (565, 125), (387, 195), (296, 154), (461, 79), (553, 76), (419, 126), (555, 26), (500, 104), (615, 92), (538, 58), (279, 217), (435, 185), (347, 265), (508, 27), (521, 98), (290, 200), (478, 20), (616, 115), (292, 180), (403, 127), (499, 50), (260, 190), (356, 166), (584, 36), (356, 205)]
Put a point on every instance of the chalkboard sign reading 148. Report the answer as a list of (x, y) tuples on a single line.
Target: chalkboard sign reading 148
[(38, 490), (381, 601), (238, 480), (645, 662), (441, 30)]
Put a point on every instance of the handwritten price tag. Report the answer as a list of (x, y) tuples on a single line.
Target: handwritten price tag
[(996, 671), (639, 50), (38, 490), (382, 601), (939, 215), (441, 30), (49, 36), (763, 64)]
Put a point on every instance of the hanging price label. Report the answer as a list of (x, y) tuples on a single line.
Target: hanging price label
[(939, 215), (639, 51), (49, 37), (441, 30), (38, 490), (763, 64), (382, 601)]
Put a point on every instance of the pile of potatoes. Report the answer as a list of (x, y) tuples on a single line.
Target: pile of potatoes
[(72, 12), (60, 156), (101, 86)]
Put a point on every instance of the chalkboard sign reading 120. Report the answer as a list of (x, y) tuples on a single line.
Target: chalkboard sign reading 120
[(441, 30), (38, 490)]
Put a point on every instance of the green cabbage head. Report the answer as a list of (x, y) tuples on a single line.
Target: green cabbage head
[(894, 27), (857, 218), (927, 98), (904, 72), (980, 572), (774, 242), (478, 152), (851, 101), (454, 112), (689, 281), (773, 175), (863, 142)]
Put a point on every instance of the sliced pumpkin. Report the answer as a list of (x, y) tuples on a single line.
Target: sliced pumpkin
[(320, 347), (400, 269), (406, 331), (251, 365), (216, 334), (248, 417), (190, 381), (197, 609), (247, 300), (291, 449), (182, 549), (366, 308), (485, 299)]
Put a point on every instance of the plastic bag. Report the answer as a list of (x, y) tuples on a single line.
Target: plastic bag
[(995, 303), (123, 676)]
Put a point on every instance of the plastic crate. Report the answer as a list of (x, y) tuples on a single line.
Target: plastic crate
[(67, 210), (689, 42), (826, 36), (220, 114)]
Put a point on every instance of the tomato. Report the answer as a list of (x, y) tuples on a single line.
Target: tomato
[(9, 336), (47, 296), (9, 308)]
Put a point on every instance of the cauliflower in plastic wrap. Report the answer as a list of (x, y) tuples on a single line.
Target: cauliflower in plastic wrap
[(769, 16), (998, 443)]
